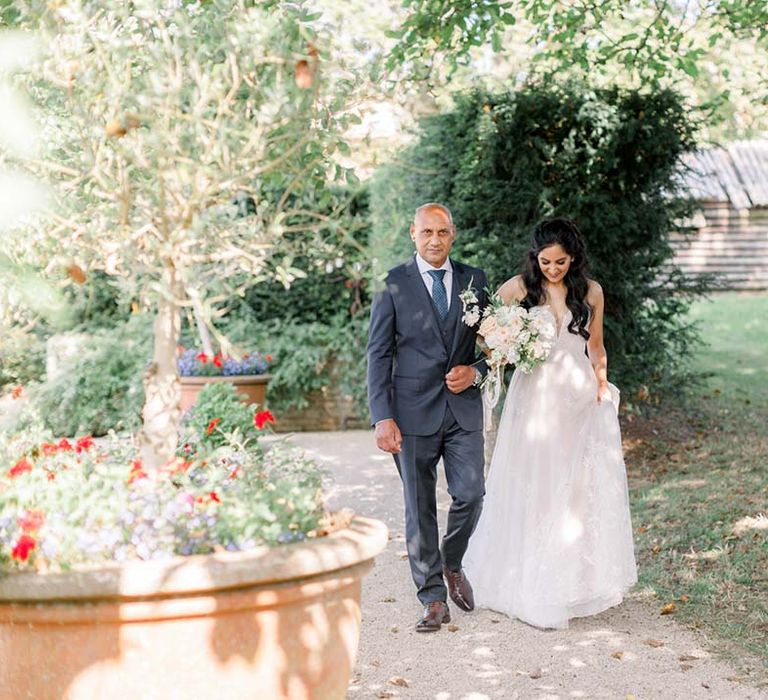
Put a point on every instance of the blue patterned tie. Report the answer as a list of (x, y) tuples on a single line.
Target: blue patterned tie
[(439, 295)]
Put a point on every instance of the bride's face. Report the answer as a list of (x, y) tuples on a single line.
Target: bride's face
[(554, 263)]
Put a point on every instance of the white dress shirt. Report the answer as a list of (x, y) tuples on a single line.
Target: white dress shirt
[(425, 267)]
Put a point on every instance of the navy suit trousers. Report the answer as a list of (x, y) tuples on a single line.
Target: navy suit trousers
[(462, 454)]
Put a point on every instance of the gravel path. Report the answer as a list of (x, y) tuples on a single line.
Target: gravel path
[(629, 652)]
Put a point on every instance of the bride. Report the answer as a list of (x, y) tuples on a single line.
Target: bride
[(554, 540)]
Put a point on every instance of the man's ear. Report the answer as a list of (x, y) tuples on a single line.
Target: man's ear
[(413, 232)]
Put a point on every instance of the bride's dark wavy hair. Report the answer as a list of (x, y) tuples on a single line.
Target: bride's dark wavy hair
[(564, 232)]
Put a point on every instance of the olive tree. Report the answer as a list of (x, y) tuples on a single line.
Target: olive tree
[(189, 143)]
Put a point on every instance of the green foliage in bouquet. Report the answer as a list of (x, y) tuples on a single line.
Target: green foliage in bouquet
[(609, 159)]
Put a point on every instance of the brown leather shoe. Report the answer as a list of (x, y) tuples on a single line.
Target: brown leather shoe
[(435, 615), (459, 589)]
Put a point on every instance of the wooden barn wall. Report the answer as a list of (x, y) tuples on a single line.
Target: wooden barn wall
[(733, 244)]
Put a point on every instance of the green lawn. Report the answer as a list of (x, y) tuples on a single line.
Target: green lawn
[(735, 328), (699, 486)]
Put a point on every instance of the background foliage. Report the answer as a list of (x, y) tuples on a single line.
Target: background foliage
[(606, 158), (100, 389)]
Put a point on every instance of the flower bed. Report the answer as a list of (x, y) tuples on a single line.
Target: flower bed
[(80, 502), (194, 363)]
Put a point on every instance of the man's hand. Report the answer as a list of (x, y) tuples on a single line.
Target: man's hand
[(459, 378), (388, 437)]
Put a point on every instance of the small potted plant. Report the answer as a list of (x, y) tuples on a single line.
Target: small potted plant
[(249, 374)]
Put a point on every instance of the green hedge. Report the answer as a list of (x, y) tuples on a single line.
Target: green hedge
[(606, 158)]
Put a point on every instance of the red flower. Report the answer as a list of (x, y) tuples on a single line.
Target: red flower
[(212, 425), (51, 476), (31, 520), (23, 465), (17, 390), (84, 443), (23, 547), (217, 361), (261, 418), (65, 445), (137, 471), (214, 497), (201, 357), (268, 358), (178, 466), (49, 448)]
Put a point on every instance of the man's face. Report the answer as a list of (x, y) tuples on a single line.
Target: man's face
[(433, 234)]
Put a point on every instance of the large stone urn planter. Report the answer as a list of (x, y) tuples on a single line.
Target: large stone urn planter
[(270, 624), (251, 387)]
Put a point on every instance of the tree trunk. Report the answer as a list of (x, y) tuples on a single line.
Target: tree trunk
[(202, 328), (158, 437)]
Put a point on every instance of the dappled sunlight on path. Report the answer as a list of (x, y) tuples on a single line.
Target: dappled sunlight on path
[(628, 650)]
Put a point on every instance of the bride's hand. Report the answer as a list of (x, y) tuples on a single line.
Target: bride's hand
[(603, 392)]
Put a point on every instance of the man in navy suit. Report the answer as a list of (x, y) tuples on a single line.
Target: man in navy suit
[(425, 404)]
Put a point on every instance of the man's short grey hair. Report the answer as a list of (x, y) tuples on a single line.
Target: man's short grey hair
[(434, 205)]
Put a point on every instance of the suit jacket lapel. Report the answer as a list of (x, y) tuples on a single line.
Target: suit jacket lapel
[(422, 298), (460, 282)]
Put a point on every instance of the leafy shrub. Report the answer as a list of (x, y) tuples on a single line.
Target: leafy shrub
[(219, 417), (336, 270), (22, 357), (606, 158), (307, 356), (101, 389)]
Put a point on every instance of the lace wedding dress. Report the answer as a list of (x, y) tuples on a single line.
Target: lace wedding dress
[(554, 540)]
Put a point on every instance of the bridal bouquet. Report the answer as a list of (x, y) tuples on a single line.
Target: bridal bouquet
[(513, 335)]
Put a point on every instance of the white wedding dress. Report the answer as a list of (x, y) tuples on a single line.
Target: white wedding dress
[(554, 540)]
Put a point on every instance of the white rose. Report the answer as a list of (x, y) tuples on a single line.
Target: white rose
[(493, 339), (472, 316)]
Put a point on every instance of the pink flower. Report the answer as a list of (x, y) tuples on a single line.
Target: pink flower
[(49, 448), (31, 520)]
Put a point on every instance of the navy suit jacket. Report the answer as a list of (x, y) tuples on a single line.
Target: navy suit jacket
[(408, 358)]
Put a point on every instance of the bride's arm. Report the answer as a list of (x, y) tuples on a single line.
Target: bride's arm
[(595, 347), (512, 290)]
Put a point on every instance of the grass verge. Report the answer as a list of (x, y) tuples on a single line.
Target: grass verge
[(698, 476)]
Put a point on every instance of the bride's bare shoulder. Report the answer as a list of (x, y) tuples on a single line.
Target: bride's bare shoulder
[(513, 289), (594, 292)]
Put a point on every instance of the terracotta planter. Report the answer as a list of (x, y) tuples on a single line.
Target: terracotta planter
[(252, 387), (270, 624)]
